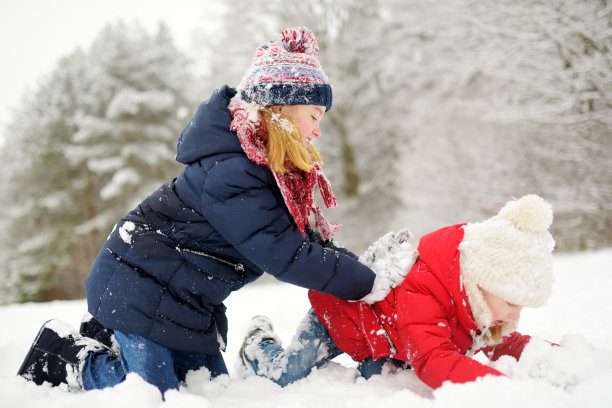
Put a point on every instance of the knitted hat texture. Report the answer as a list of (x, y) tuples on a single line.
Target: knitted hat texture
[(287, 72), (510, 255)]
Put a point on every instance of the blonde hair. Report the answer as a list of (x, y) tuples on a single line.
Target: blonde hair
[(286, 144), (495, 333)]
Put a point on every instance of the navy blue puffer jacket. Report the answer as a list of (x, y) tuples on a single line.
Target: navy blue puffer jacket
[(169, 264)]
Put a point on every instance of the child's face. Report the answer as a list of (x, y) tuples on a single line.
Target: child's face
[(503, 312), (307, 118)]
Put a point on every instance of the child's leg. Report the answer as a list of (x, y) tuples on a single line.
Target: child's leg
[(101, 370), (369, 367), (155, 363), (59, 354), (185, 362), (152, 361), (310, 347)]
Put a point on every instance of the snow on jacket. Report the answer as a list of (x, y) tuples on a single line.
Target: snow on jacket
[(169, 264), (426, 321)]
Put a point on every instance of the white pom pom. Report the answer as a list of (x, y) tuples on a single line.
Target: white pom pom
[(529, 213)]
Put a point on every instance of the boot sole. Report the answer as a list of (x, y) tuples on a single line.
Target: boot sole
[(26, 361)]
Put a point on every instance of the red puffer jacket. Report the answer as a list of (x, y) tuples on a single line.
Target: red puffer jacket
[(427, 319)]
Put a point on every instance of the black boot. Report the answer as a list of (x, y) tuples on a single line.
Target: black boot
[(57, 355), (93, 329)]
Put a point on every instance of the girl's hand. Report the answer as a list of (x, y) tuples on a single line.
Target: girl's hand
[(390, 257)]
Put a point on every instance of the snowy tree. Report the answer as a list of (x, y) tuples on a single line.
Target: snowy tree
[(445, 110), (95, 137), (38, 194), (524, 106), (361, 132), (442, 112), (141, 98)]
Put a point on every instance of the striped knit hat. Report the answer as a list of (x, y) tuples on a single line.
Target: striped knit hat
[(287, 72)]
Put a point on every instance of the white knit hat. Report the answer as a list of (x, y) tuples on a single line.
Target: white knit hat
[(510, 256)]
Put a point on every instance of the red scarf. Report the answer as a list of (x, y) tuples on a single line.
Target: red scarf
[(297, 186)]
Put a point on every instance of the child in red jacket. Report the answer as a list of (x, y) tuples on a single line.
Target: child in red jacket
[(463, 294)]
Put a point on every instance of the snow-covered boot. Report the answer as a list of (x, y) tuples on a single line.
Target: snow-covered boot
[(57, 355), (93, 329), (260, 329)]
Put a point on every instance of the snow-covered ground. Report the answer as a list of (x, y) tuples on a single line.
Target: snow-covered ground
[(579, 374)]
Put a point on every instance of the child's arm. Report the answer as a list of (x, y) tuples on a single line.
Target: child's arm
[(239, 204), (423, 305), (512, 345)]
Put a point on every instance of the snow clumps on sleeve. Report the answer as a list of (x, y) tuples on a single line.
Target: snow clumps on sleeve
[(390, 257)]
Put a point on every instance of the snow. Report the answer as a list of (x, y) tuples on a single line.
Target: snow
[(125, 230), (121, 178), (55, 29), (578, 373), (390, 257)]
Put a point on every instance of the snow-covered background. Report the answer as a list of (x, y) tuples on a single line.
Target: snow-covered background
[(439, 55), (578, 374), (443, 111), (35, 34)]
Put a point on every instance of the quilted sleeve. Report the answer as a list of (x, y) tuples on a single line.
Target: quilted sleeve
[(240, 204)]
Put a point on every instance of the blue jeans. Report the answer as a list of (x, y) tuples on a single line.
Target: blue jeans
[(156, 364), (311, 346)]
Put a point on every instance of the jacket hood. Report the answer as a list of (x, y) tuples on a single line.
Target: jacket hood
[(208, 133), (440, 251)]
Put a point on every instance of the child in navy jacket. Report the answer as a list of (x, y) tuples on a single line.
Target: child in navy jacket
[(240, 208)]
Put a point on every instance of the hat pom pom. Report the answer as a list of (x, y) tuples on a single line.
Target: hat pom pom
[(300, 39), (529, 213)]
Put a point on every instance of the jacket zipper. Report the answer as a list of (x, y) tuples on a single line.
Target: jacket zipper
[(237, 266)]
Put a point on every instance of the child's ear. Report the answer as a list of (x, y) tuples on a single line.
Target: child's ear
[(275, 108)]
